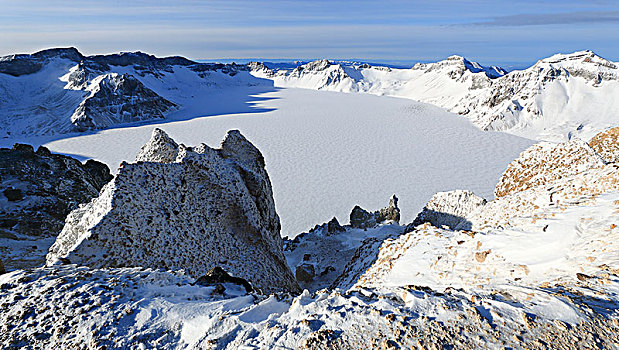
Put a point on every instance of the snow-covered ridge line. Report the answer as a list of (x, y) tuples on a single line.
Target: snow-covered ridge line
[(557, 98), (60, 90)]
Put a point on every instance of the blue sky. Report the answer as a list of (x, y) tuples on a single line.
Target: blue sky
[(491, 32)]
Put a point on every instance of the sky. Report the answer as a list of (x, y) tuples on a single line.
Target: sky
[(498, 32)]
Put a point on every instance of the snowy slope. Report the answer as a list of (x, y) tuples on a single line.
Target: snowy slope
[(557, 98), (55, 91), (58, 91)]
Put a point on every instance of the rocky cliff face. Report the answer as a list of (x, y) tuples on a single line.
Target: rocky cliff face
[(39, 189), (117, 99), (199, 209)]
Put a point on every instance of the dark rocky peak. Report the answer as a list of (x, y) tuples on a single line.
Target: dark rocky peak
[(361, 218), (23, 64), (124, 59), (331, 227), (70, 53)]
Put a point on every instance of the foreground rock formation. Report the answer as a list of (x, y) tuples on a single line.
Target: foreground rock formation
[(535, 268), (38, 190), (184, 208)]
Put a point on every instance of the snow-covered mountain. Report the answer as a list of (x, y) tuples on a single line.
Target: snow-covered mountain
[(57, 91), (60, 90), (557, 98)]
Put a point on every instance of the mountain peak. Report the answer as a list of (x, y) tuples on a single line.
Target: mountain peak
[(578, 57)]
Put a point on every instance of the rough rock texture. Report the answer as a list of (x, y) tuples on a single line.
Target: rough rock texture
[(210, 207), (37, 191), (161, 149), (117, 99), (449, 209), (544, 162), (606, 144), (305, 273), (360, 218)]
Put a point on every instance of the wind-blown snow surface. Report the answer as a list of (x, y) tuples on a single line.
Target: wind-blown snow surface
[(327, 152)]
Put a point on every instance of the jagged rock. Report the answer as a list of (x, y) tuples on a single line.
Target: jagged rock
[(449, 209), (119, 99), (606, 144), (360, 218), (48, 187), (331, 227), (217, 275), (2, 270), (41, 188), (208, 207), (544, 163), (391, 213), (305, 273), (161, 148)]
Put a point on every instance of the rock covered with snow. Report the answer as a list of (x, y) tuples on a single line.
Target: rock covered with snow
[(117, 99), (544, 163), (455, 66), (37, 191), (449, 209), (606, 144), (161, 148), (209, 207)]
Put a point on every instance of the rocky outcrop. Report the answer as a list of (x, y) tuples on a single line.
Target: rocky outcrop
[(544, 163), (37, 191), (329, 228), (450, 209), (41, 188), (209, 207), (606, 144), (360, 218), (118, 99)]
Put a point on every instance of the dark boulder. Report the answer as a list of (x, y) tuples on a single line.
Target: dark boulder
[(216, 276)]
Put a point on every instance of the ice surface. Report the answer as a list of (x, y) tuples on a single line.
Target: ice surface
[(327, 151)]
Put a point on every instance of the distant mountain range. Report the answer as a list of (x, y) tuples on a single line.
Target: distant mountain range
[(60, 90)]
